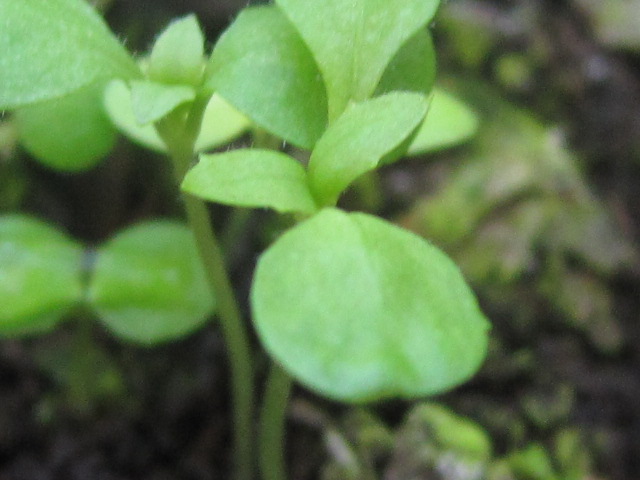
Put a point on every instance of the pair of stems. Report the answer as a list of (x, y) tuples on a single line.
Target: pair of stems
[(179, 131)]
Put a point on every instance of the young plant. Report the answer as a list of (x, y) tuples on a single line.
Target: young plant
[(353, 307)]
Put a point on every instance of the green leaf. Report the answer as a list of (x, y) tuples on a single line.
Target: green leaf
[(532, 463), (40, 275), (251, 178), (358, 309), (221, 122), (353, 42), (70, 133), (53, 47), (149, 286), (152, 101), (413, 69), (262, 66), (453, 433), (177, 56), (359, 139), (448, 123)]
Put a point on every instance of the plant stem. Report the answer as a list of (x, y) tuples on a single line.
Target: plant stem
[(235, 334), (272, 424), (179, 132)]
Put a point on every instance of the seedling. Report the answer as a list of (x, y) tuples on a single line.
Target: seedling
[(351, 306)]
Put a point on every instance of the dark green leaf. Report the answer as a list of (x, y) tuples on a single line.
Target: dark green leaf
[(262, 67), (413, 69), (53, 47), (69, 133), (40, 275), (149, 286), (177, 56), (251, 178), (359, 139), (353, 42), (359, 310)]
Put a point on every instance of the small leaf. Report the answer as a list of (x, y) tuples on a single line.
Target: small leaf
[(532, 463), (51, 48), (40, 275), (251, 178), (452, 433), (358, 309), (70, 133), (353, 42), (177, 56), (152, 101), (221, 122), (448, 123), (262, 66), (413, 69), (359, 139), (149, 286)]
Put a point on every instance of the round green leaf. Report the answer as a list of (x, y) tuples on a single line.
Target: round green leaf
[(448, 123), (220, 125), (359, 309), (70, 133), (149, 286), (262, 66), (40, 275), (51, 48)]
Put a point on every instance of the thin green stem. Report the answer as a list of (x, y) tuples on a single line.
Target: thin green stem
[(179, 132), (278, 385), (235, 334), (272, 424)]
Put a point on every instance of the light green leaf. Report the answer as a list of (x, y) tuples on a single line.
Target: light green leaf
[(149, 286), (358, 309), (353, 42), (251, 178), (413, 69), (452, 433), (70, 133), (151, 101), (262, 67), (448, 123), (177, 56), (221, 122), (40, 275), (53, 47), (359, 139)]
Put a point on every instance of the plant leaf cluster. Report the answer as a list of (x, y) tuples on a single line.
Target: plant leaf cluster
[(146, 285), (348, 304), (433, 440), (351, 305), (55, 78)]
